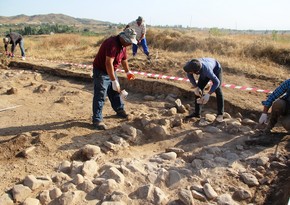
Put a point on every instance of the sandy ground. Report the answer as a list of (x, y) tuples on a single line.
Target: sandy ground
[(54, 115)]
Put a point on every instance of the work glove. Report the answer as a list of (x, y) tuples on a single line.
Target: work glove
[(130, 75), (197, 91), (123, 94), (204, 99), (116, 86), (263, 118)]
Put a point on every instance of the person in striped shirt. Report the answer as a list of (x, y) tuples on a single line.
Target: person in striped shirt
[(279, 100), (140, 27)]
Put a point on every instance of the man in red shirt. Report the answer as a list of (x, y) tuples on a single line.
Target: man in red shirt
[(111, 54)]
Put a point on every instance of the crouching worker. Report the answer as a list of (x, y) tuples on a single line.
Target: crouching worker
[(111, 54), (14, 39), (280, 107), (207, 69)]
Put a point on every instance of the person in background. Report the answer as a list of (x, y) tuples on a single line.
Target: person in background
[(280, 107), (207, 69), (14, 39), (111, 54), (140, 27)]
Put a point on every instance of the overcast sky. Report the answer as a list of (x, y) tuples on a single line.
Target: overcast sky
[(231, 14)]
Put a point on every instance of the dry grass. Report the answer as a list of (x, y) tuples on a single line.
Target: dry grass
[(72, 47), (241, 54)]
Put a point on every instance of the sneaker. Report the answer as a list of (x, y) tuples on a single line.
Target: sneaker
[(267, 130), (122, 114), (192, 115), (220, 118), (100, 126), (148, 57), (23, 58)]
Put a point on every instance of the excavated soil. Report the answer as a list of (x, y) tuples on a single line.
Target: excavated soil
[(47, 106)]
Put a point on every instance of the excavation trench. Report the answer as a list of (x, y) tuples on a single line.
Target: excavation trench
[(148, 86), (151, 86)]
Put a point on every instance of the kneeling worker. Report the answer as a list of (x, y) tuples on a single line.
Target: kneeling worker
[(280, 107)]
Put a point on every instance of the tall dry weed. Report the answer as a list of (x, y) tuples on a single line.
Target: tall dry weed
[(242, 54), (72, 47), (249, 46)]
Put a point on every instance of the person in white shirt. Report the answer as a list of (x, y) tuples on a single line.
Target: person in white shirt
[(140, 27)]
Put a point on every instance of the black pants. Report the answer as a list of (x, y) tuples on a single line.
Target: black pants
[(219, 94)]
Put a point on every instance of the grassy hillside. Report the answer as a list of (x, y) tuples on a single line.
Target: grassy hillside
[(44, 24)]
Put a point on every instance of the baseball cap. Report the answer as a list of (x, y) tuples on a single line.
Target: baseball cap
[(139, 19), (192, 66), (129, 35)]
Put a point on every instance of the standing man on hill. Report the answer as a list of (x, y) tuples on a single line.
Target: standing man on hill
[(140, 27), (14, 39), (280, 107), (111, 54), (207, 69)]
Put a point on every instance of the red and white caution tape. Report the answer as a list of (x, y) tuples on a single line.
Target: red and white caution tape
[(159, 76), (186, 79)]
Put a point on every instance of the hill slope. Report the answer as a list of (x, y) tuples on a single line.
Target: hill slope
[(49, 18)]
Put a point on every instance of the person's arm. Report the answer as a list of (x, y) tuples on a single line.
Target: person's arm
[(191, 79), (110, 68), (215, 81), (142, 36), (125, 65), (6, 48), (127, 26), (143, 32), (13, 47), (278, 92), (111, 73), (265, 109)]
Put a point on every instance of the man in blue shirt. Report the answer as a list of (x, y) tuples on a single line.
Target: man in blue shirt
[(280, 107), (207, 69)]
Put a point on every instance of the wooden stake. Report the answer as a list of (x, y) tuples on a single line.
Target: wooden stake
[(9, 108)]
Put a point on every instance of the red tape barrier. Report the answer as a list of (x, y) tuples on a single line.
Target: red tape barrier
[(159, 76)]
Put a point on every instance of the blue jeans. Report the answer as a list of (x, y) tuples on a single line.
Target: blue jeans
[(144, 46), (21, 45), (102, 89)]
